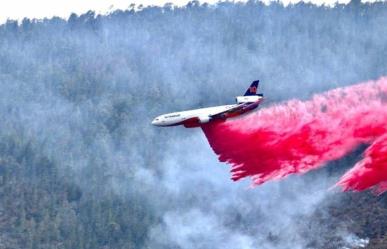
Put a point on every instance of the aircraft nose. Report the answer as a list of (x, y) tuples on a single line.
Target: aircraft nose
[(155, 121)]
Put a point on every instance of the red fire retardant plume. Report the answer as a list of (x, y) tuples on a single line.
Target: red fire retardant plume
[(298, 136)]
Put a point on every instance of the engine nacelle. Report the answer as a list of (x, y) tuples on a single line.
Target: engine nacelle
[(247, 99), (204, 119)]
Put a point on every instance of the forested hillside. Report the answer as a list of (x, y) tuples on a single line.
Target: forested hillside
[(81, 166)]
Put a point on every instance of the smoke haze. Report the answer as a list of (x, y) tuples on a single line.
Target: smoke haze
[(78, 151)]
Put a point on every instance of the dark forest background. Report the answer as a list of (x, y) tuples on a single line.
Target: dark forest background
[(81, 166)]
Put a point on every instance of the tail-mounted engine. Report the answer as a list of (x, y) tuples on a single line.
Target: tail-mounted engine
[(248, 99)]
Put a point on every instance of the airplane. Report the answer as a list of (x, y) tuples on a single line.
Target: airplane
[(195, 118)]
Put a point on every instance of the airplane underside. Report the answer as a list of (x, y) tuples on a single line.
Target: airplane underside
[(195, 121)]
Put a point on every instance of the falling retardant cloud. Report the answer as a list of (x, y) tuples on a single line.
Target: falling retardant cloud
[(298, 136)]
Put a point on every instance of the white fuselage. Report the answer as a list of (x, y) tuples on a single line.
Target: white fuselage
[(203, 114), (198, 117)]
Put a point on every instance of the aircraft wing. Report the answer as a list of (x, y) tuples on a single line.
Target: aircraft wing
[(237, 110)]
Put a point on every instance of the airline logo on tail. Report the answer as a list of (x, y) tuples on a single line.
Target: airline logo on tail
[(252, 90)]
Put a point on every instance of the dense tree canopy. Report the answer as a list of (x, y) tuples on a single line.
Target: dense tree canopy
[(81, 167)]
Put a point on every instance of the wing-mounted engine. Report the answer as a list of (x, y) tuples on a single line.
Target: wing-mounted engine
[(196, 121), (248, 99), (204, 119)]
